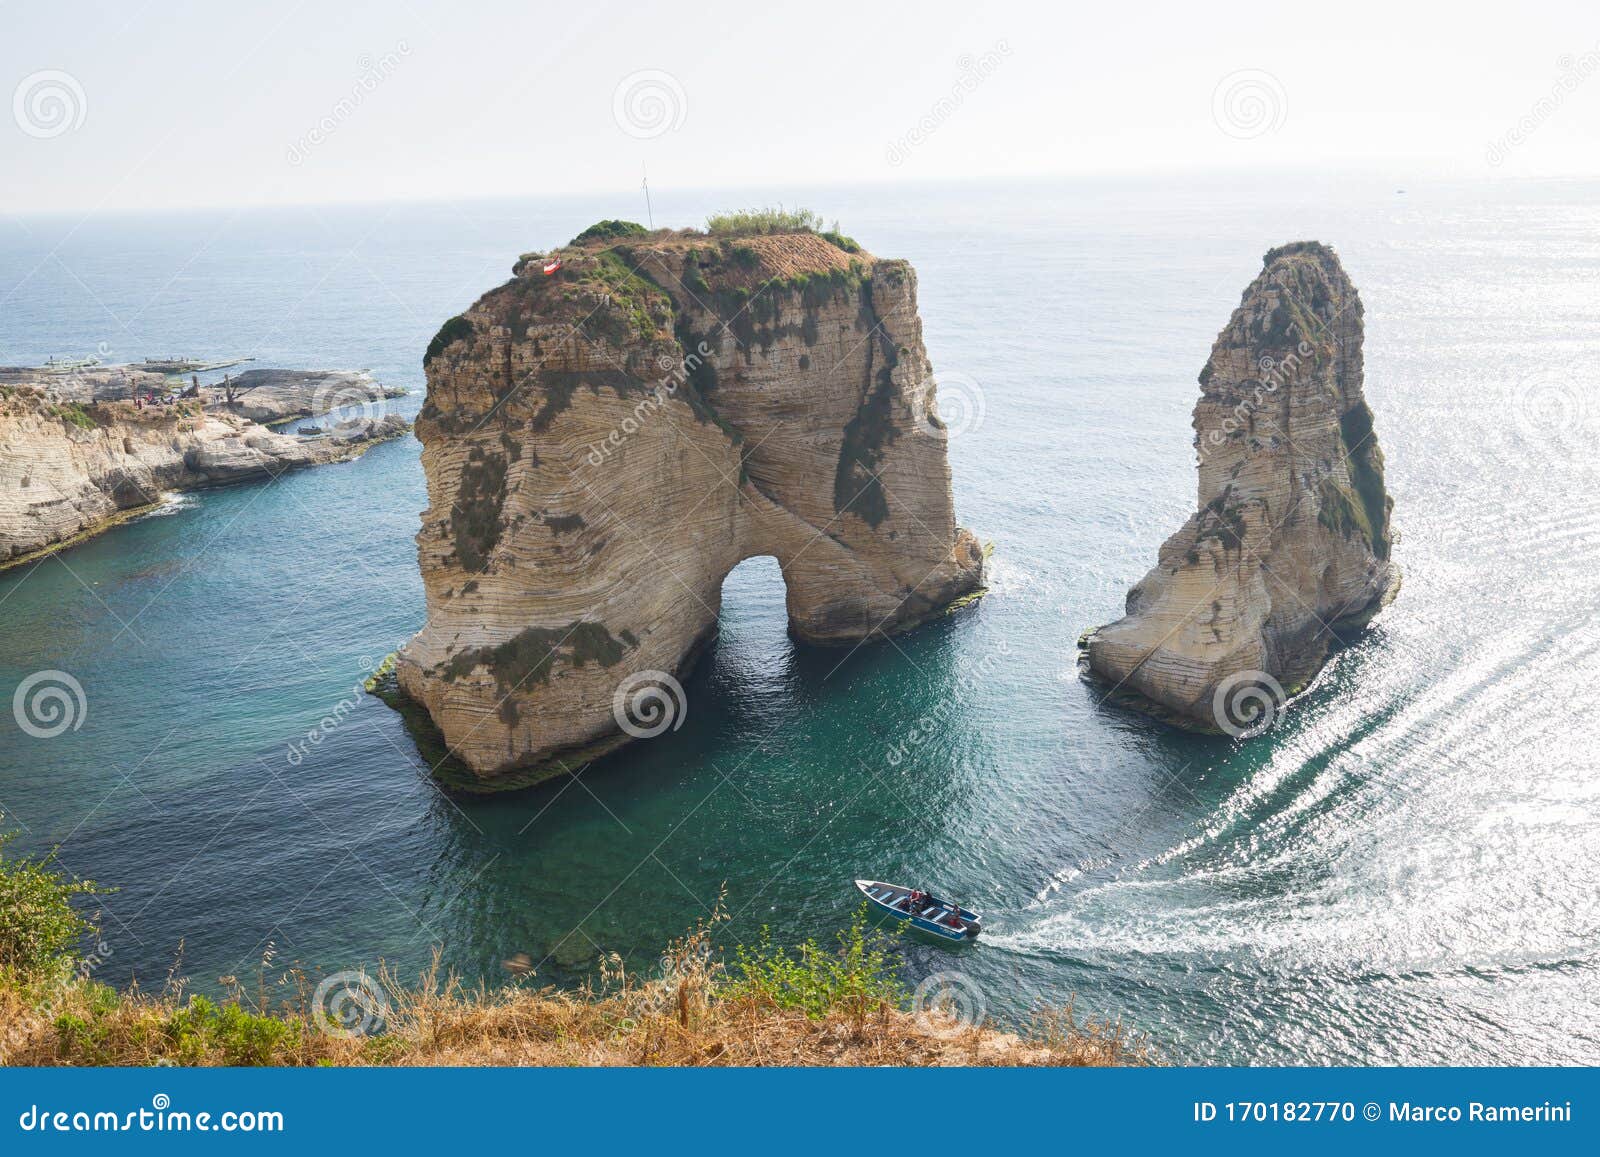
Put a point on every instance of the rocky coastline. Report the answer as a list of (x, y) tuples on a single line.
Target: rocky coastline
[(78, 455)]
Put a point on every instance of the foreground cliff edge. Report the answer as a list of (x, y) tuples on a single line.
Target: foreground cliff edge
[(1288, 554), (604, 443), (699, 1002)]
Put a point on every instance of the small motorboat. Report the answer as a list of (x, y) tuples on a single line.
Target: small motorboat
[(552, 267), (923, 910)]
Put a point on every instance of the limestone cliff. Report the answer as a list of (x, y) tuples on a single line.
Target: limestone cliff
[(68, 469), (605, 443), (1289, 550)]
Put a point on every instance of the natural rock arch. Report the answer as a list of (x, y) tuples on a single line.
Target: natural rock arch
[(604, 445)]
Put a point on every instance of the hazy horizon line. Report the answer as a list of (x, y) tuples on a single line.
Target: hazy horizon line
[(1373, 171)]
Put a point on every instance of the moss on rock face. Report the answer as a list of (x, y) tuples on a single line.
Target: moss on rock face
[(475, 517), (856, 487), (528, 658), (452, 331), (560, 385), (564, 523), (1340, 513), (1365, 463)]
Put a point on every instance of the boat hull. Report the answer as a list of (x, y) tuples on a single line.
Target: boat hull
[(936, 917)]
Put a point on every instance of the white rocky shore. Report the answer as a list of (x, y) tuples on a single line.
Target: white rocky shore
[(274, 396), (70, 468)]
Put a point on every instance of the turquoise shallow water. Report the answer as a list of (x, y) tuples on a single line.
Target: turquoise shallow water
[(1405, 869)]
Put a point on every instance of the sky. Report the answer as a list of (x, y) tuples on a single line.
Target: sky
[(168, 105)]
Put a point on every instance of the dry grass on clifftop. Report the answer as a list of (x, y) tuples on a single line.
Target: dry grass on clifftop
[(767, 1006)]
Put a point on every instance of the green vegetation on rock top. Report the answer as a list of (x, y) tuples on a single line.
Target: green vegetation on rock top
[(749, 222), (450, 332), (609, 229)]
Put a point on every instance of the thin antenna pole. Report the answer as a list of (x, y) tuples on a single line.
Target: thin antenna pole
[(649, 213)]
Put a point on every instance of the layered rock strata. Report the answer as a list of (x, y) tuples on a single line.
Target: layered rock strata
[(605, 443), (68, 470), (1288, 553)]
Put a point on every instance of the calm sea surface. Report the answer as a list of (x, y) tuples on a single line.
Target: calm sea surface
[(1405, 870)]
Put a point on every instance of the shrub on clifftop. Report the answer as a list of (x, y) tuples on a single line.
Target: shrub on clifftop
[(609, 230), (39, 927), (745, 222)]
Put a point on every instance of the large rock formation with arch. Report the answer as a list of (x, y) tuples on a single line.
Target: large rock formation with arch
[(604, 442), (1288, 553)]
